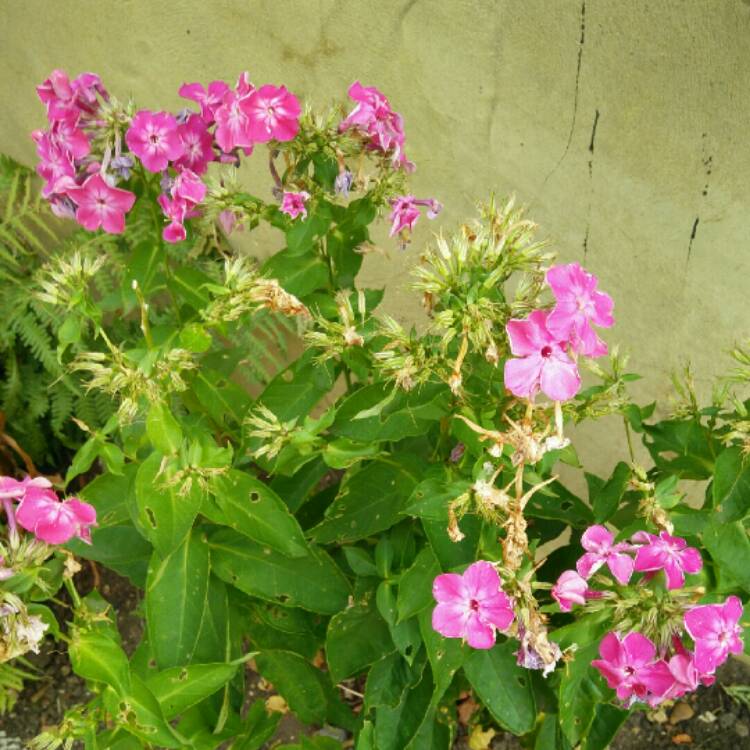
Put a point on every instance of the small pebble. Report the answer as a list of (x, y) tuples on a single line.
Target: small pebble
[(727, 720), (742, 729)]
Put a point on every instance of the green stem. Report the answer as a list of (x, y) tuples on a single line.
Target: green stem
[(70, 586), (629, 440)]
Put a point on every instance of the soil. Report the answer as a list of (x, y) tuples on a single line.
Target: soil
[(709, 719)]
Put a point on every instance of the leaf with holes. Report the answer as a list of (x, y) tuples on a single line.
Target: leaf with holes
[(581, 689), (371, 499), (255, 510), (166, 514), (313, 582), (503, 686), (178, 688)]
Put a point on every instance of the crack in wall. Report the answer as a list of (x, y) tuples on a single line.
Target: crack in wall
[(591, 184)]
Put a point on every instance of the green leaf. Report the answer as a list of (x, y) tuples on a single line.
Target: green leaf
[(503, 687), (377, 413), (298, 682), (580, 693), (178, 688), (431, 497), (356, 638), (682, 447), (729, 547), (257, 728), (549, 736), (370, 500), (255, 510), (607, 499), (313, 582), (555, 502), (415, 585), (389, 678), (163, 429), (95, 656), (360, 561), (195, 338), (607, 720), (731, 485), (139, 712), (165, 515), (446, 655), (297, 274), (176, 600), (343, 453)]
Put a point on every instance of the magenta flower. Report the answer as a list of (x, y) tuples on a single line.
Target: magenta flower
[(100, 205), (471, 606), (579, 304), (15, 489), (405, 212), (273, 114), (716, 631), (629, 667), (196, 145), (570, 589), (232, 124), (176, 210), (52, 521), (600, 549), (686, 676), (154, 139), (71, 139), (188, 186), (374, 117), (210, 100), (669, 553), (55, 163), (542, 363), (293, 204)]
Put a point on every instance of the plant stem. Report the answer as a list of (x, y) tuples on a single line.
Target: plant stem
[(629, 440)]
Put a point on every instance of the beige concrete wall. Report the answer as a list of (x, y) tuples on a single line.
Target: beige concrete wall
[(623, 124)]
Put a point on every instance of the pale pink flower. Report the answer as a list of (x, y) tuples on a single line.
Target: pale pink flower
[(100, 205), (154, 139), (232, 124), (227, 220), (5, 573), (273, 113), (668, 553), (52, 521), (716, 631), (188, 186), (579, 304), (600, 550), (630, 668), (293, 204), (471, 606), (210, 100), (196, 144), (542, 364), (686, 676), (570, 589), (405, 212)]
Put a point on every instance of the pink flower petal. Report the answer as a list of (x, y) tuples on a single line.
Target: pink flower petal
[(481, 580), (621, 567), (449, 587), (479, 634), (449, 619)]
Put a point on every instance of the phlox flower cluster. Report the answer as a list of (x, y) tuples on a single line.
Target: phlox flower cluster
[(228, 123), (547, 344), (634, 665), (33, 505)]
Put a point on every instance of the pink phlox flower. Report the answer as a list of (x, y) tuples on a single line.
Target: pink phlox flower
[(209, 99), (52, 521), (227, 220), (100, 205), (716, 631), (374, 117), (686, 676), (232, 124), (88, 88), (196, 144), (405, 211), (15, 489), (153, 138), (579, 304), (71, 139), (570, 589), (273, 113), (630, 668), (187, 186), (668, 553), (600, 550), (471, 606), (66, 99), (542, 363), (176, 210), (293, 204), (54, 162)]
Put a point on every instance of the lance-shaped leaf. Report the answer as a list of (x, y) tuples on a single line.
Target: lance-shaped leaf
[(370, 500), (313, 582), (95, 656), (166, 513), (255, 510), (176, 601)]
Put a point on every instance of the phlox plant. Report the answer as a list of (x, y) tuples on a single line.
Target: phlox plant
[(363, 529)]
